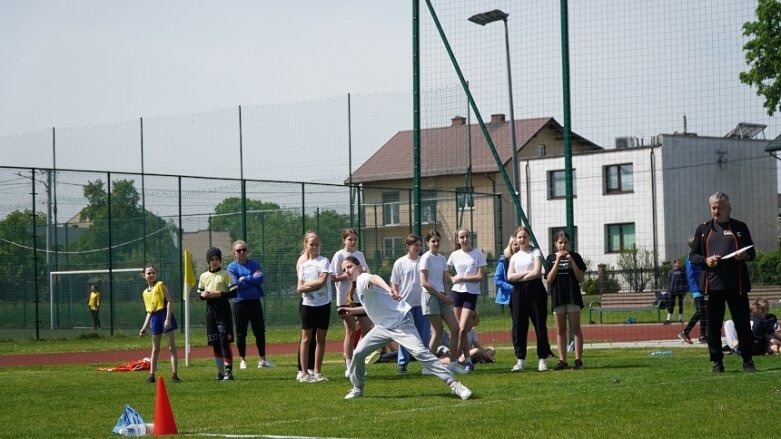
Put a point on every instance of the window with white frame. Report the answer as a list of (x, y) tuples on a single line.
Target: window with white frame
[(465, 198), (619, 178), (428, 206), (619, 237), (557, 184), (392, 247), (390, 209)]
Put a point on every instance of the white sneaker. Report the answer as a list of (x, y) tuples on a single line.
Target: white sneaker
[(518, 366), (542, 367), (307, 378), (455, 367), (461, 390), (318, 378), (262, 364), (243, 364), (354, 393), (299, 375)]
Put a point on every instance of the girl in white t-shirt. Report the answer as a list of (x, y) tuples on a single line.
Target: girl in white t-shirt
[(392, 321), (351, 323), (315, 288), (469, 264), (405, 279), (436, 303), (529, 300)]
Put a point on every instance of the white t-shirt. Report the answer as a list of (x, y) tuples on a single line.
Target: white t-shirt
[(435, 265), (467, 264), (406, 274), (523, 261), (379, 305), (336, 265), (311, 269)]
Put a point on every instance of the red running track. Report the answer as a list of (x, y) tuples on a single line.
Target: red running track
[(616, 333)]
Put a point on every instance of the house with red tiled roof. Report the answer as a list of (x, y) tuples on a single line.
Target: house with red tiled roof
[(446, 154)]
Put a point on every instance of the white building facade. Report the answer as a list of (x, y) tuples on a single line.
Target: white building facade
[(652, 197)]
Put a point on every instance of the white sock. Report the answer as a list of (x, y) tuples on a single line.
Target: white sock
[(669, 316), (347, 363)]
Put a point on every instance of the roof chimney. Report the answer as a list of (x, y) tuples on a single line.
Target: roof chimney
[(497, 118), (458, 121)]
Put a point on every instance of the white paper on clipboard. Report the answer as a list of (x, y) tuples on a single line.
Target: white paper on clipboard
[(736, 252)]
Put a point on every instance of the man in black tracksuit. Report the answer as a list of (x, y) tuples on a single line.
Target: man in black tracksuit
[(725, 281)]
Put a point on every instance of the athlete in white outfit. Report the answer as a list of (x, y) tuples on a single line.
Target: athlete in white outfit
[(392, 321)]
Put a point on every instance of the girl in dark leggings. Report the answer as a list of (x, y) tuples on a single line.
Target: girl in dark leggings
[(529, 300)]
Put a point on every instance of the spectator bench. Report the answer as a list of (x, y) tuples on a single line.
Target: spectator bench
[(646, 301), (624, 302), (770, 292)]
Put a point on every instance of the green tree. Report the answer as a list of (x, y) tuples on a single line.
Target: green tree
[(637, 268), (763, 53), (135, 234), (16, 252), (274, 235), (766, 268)]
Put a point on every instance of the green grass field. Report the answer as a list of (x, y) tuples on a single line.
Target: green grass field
[(622, 393)]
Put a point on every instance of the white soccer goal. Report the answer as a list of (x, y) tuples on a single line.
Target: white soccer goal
[(54, 274)]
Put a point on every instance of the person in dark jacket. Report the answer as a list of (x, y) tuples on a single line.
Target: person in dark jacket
[(722, 246), (677, 286)]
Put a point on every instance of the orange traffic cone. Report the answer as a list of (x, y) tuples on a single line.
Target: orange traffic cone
[(164, 416)]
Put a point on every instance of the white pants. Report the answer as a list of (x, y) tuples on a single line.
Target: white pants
[(405, 334), (731, 333)]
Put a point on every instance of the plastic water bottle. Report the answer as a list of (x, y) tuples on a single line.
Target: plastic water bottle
[(134, 430), (657, 354)]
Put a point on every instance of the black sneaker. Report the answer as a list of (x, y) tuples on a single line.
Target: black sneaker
[(220, 377), (150, 379), (401, 370), (667, 322), (228, 376), (578, 365), (749, 367), (702, 339), (175, 379), (561, 366), (718, 367), (726, 348)]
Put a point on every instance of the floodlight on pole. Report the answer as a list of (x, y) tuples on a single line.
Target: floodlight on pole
[(482, 19)]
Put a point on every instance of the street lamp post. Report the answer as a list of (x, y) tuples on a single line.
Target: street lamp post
[(482, 19)]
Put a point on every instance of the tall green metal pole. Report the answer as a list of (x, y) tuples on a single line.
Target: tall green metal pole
[(416, 112), (243, 182), (350, 161), (143, 188), (567, 137), (568, 187), (111, 296), (35, 260)]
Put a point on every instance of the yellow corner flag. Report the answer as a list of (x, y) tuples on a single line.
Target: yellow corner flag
[(189, 276)]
